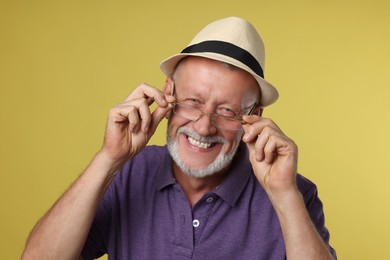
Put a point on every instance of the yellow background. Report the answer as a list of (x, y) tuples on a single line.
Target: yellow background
[(63, 64)]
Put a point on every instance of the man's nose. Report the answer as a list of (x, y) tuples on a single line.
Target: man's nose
[(204, 125)]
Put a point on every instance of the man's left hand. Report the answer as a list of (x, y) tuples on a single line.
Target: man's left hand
[(272, 154)]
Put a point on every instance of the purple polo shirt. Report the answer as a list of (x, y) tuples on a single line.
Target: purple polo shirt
[(145, 215)]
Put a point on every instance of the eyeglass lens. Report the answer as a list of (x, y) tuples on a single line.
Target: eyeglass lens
[(218, 121)]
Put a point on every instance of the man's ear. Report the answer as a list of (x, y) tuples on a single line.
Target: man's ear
[(168, 86), (168, 90)]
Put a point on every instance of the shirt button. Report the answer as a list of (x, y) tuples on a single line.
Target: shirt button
[(195, 223), (210, 199)]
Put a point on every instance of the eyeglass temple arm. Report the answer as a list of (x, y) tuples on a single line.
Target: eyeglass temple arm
[(250, 112)]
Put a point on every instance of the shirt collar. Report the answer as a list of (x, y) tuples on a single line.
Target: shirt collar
[(232, 186), (165, 176), (236, 179)]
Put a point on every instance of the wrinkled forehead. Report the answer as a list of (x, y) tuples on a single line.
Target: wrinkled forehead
[(256, 91), (216, 80)]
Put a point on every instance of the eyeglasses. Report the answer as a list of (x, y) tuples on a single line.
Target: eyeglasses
[(223, 118)]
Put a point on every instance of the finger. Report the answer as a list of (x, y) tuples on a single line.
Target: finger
[(119, 114), (137, 112), (134, 120), (260, 143), (251, 132), (270, 150), (145, 116), (146, 91), (254, 127), (259, 121), (250, 119), (170, 99)]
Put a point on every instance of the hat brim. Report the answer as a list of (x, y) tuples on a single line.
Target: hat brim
[(269, 94)]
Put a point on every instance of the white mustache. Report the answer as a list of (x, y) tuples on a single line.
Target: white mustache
[(204, 139)]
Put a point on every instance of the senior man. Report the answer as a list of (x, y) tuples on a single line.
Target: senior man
[(224, 187)]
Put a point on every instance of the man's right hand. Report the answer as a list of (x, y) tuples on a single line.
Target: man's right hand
[(131, 124)]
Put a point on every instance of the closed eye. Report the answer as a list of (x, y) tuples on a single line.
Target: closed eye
[(193, 102), (227, 112)]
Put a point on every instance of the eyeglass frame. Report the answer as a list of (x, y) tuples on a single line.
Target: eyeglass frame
[(212, 116)]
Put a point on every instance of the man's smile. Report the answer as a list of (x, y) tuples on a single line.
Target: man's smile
[(198, 143)]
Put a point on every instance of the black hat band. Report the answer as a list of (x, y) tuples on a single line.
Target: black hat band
[(227, 49)]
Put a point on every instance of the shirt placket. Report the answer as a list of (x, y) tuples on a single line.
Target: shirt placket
[(190, 223), (200, 215), (183, 226)]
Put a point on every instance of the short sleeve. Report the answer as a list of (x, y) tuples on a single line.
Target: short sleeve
[(97, 240), (315, 209)]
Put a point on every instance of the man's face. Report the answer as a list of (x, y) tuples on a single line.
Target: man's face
[(200, 148)]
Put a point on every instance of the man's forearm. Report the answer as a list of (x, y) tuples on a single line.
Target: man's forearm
[(62, 231), (301, 238)]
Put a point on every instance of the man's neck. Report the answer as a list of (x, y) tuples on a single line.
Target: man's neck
[(195, 188)]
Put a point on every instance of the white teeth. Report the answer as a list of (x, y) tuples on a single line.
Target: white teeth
[(198, 143)]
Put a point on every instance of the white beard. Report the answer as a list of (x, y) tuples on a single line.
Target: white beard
[(220, 163)]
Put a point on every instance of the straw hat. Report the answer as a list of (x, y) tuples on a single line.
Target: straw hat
[(231, 40)]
